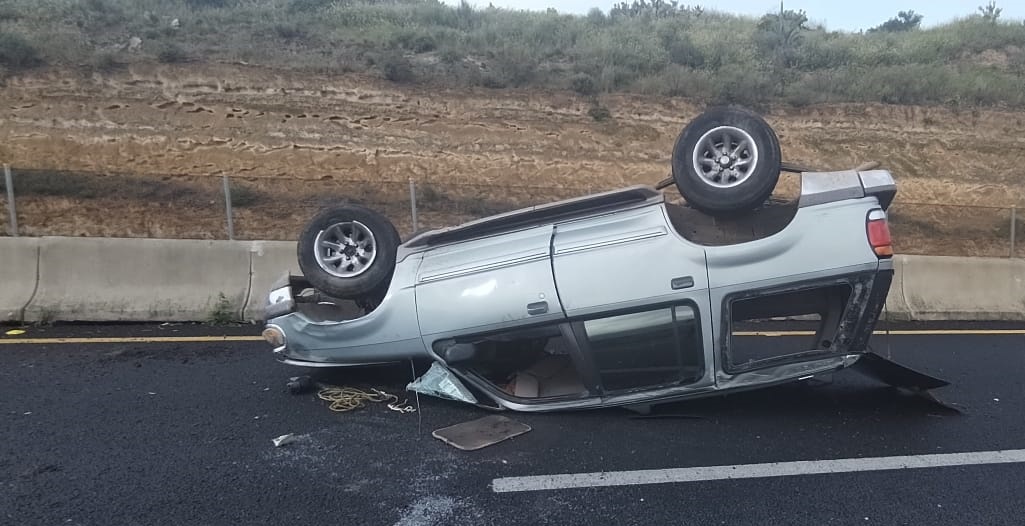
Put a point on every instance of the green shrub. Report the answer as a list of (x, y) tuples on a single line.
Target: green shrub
[(289, 31), (172, 53), (511, 66), (423, 44), (599, 113), (16, 53), (583, 84), (451, 55), (107, 61), (397, 68), (682, 51)]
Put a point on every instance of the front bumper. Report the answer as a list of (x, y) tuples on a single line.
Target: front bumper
[(315, 332)]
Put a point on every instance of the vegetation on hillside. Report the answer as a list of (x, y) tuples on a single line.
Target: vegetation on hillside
[(647, 46)]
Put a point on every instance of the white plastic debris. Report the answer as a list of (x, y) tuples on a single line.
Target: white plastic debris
[(439, 381), (284, 440), (176, 23)]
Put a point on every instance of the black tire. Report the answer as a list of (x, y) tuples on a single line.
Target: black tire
[(725, 185), (366, 278)]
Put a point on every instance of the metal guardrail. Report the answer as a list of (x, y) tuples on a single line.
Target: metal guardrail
[(81, 204)]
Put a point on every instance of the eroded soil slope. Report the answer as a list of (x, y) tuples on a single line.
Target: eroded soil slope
[(140, 152)]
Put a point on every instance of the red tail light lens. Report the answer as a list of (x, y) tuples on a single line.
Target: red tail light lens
[(879, 234)]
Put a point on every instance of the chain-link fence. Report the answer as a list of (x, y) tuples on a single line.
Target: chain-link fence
[(46, 202)]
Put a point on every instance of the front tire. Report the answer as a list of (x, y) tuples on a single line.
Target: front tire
[(726, 161), (348, 252)]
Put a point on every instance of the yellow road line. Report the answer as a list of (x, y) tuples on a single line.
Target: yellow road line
[(134, 339), (938, 332), (214, 339)]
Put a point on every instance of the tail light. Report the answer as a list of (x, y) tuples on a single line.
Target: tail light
[(879, 234)]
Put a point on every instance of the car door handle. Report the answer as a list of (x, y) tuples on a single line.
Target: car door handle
[(682, 283), (540, 307)]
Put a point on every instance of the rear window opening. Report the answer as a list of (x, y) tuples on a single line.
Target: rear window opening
[(814, 314), (528, 364)]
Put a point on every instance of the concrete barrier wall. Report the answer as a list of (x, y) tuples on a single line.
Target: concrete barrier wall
[(271, 261), (18, 260), (102, 279), (896, 305), (955, 288)]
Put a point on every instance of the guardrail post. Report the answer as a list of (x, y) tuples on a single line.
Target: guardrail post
[(227, 207), (1014, 226), (412, 203), (9, 182)]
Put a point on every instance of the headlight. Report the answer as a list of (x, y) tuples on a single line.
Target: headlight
[(275, 336)]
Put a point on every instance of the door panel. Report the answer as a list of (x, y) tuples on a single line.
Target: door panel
[(499, 281), (626, 259), (615, 265)]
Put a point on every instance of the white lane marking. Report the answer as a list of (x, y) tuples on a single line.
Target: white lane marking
[(750, 471)]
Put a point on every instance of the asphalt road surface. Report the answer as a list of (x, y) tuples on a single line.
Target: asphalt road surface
[(180, 433)]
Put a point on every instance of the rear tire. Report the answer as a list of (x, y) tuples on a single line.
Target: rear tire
[(348, 252), (726, 161)]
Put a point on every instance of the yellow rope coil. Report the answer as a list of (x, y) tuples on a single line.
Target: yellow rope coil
[(343, 399)]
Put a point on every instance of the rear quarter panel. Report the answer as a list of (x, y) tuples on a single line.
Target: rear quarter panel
[(820, 238)]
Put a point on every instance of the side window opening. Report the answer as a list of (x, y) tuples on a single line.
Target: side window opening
[(646, 349), (815, 313), (526, 363)]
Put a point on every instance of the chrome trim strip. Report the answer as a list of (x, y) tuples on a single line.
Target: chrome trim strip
[(483, 268), (590, 246), (303, 363)]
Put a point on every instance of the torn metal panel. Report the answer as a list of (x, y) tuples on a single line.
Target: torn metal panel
[(895, 374), (440, 382)]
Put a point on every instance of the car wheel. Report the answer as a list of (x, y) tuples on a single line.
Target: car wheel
[(348, 252), (726, 161)]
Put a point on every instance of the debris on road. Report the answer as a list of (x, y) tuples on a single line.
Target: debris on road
[(14, 332), (345, 399), (480, 433), (440, 382), (300, 384), (284, 440)]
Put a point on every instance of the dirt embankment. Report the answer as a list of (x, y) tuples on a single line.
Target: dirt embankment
[(293, 143)]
